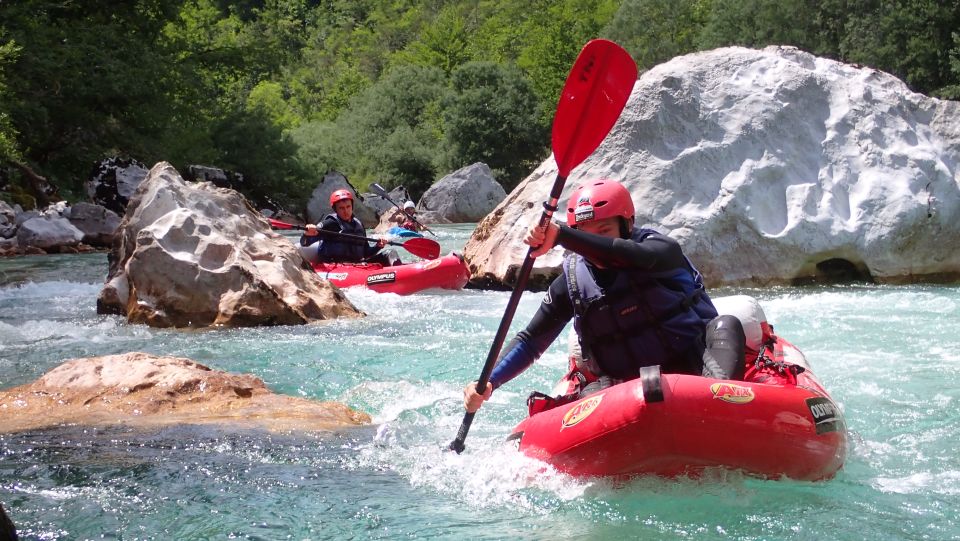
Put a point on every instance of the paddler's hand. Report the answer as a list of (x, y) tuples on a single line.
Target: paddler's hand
[(472, 400), (381, 243), (310, 230), (542, 238)]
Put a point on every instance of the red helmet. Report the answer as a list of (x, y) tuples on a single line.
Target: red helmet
[(597, 200), (340, 195)]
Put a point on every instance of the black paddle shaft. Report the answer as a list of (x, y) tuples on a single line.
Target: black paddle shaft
[(548, 209)]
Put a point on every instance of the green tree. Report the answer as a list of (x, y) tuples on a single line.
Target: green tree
[(398, 111), (492, 116), (444, 43), (267, 100), (952, 90), (253, 145), (654, 31), (87, 82), (552, 43), (758, 23), (9, 138), (320, 148), (910, 39), (405, 157)]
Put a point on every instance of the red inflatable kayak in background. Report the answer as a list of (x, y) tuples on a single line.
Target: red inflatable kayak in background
[(447, 272), (779, 423)]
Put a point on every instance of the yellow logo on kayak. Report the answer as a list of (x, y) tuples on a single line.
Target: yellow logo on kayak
[(581, 411), (732, 393)]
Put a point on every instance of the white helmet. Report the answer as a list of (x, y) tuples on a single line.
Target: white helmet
[(408, 205)]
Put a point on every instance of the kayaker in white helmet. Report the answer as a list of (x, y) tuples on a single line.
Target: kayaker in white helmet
[(635, 298), (406, 217)]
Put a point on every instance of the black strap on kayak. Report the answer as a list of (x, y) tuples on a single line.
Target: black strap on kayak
[(651, 382)]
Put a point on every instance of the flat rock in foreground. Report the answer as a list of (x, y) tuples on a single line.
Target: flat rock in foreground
[(141, 389)]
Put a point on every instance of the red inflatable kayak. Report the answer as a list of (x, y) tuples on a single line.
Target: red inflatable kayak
[(447, 272), (672, 424)]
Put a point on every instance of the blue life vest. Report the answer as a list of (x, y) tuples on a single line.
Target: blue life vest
[(334, 249), (642, 319)]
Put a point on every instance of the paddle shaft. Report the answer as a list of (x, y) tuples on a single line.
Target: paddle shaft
[(500, 337), (324, 232), (383, 193), (596, 90), (419, 246)]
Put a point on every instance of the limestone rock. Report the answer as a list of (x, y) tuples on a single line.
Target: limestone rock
[(48, 233), (769, 166), (8, 217), (319, 204), (141, 389), (98, 224), (464, 196), (380, 204), (113, 181), (194, 255)]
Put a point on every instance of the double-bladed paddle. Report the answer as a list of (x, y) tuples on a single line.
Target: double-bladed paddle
[(418, 246), (592, 99), (378, 189)]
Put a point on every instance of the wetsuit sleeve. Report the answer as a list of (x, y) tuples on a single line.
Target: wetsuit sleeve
[(329, 224), (655, 252), (553, 315)]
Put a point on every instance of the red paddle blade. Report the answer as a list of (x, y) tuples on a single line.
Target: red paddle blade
[(423, 247), (595, 93), (277, 224)]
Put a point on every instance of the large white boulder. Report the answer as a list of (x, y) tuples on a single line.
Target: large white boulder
[(769, 166), (466, 195), (194, 255)]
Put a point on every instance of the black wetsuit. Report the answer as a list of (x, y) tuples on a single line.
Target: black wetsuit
[(656, 253)]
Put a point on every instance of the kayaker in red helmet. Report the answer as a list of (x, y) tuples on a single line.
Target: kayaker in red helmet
[(635, 298), (342, 249)]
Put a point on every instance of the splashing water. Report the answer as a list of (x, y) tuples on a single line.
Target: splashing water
[(887, 355)]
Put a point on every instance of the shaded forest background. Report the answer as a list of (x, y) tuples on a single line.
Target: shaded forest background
[(399, 92)]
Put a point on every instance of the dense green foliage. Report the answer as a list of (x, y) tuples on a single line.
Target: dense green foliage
[(395, 92)]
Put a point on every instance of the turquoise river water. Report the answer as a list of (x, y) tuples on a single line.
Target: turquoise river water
[(888, 355)]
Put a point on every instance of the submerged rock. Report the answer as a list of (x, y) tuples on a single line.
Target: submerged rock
[(141, 389)]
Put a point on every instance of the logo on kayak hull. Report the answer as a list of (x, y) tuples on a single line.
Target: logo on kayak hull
[(336, 276), (581, 411), (382, 278), (826, 417), (732, 393)]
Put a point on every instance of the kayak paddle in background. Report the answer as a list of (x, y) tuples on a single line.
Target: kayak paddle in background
[(378, 189), (418, 246), (592, 99)]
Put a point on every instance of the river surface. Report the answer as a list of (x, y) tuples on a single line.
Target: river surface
[(888, 355)]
